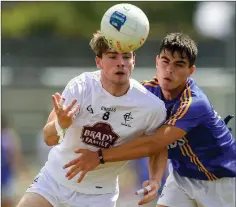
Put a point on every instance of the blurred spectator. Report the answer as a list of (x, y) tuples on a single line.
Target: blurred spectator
[(11, 161)]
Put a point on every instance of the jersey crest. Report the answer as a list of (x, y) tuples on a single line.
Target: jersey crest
[(99, 135)]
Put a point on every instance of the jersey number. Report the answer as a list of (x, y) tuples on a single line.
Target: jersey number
[(106, 116)]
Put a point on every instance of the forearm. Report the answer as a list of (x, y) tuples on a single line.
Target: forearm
[(134, 149), (50, 134), (144, 146), (157, 166)]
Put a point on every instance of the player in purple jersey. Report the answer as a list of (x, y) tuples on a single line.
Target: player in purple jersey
[(201, 148)]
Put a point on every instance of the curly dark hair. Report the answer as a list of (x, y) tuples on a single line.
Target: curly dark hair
[(181, 43)]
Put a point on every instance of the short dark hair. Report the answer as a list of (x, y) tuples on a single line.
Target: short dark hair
[(181, 43)]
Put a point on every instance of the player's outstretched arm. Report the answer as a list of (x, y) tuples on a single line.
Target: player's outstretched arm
[(144, 146), (64, 116)]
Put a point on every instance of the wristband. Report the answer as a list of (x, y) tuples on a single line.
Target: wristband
[(100, 156), (60, 131)]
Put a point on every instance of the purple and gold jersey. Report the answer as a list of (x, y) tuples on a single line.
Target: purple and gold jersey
[(208, 150)]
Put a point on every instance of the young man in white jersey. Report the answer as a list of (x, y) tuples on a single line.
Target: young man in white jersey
[(99, 108), (200, 146)]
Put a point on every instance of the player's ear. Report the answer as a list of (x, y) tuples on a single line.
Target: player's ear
[(98, 61), (157, 59), (192, 69), (134, 59)]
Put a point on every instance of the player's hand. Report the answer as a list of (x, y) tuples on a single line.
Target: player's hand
[(87, 161), (64, 114), (149, 195)]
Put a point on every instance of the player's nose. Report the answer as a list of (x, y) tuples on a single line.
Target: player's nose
[(120, 65), (120, 61), (169, 69)]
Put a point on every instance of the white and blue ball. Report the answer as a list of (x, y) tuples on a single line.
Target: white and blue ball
[(125, 27)]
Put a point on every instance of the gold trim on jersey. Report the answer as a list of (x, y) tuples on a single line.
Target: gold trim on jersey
[(153, 83), (186, 100), (187, 151)]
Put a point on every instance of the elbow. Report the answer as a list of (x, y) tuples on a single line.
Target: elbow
[(49, 140)]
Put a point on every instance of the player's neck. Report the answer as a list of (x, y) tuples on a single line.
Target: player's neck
[(174, 93), (114, 89)]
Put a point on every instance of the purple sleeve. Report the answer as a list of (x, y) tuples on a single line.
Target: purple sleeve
[(189, 113)]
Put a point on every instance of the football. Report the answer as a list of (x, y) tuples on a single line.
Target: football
[(125, 27)]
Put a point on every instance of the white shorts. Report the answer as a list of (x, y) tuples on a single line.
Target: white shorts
[(59, 195), (187, 192)]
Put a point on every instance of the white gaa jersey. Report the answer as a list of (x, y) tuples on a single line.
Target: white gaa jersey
[(103, 121)]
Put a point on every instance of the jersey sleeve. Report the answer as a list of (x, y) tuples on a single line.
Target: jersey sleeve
[(75, 89), (189, 114), (155, 120)]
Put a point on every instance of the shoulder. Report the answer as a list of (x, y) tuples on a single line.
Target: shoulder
[(146, 97), (195, 98), (151, 83), (84, 78)]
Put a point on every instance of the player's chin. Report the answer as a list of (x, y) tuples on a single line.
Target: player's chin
[(167, 86), (121, 82), (121, 79)]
